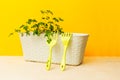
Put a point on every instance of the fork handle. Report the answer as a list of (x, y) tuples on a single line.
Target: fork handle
[(63, 62), (48, 63)]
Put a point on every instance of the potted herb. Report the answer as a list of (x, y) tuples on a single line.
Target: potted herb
[(48, 24), (35, 33)]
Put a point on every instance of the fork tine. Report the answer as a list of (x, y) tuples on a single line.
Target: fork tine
[(67, 34), (63, 34)]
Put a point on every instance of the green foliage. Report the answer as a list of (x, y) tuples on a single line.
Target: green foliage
[(48, 24)]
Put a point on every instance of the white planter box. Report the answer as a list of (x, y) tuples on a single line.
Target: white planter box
[(35, 49)]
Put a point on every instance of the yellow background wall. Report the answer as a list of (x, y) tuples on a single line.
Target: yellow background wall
[(99, 18)]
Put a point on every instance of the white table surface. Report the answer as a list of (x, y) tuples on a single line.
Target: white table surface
[(93, 68)]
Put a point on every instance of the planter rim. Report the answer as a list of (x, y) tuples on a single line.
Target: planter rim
[(74, 34), (80, 34)]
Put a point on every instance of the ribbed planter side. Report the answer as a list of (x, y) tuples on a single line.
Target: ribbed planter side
[(35, 49)]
